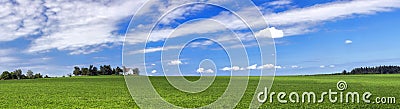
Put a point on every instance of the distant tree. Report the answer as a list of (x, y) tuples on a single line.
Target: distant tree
[(77, 71), (102, 70), (5, 75), (376, 70), (13, 76), (69, 75), (18, 73), (136, 71), (344, 72), (29, 74), (46, 76), (23, 77), (118, 71), (113, 71), (38, 76), (91, 71), (85, 71), (95, 71), (108, 69)]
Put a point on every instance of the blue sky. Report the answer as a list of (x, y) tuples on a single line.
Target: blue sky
[(311, 37)]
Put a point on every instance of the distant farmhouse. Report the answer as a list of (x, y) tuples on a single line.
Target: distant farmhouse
[(130, 71)]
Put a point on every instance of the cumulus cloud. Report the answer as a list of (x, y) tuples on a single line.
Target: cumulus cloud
[(270, 33), (202, 70), (233, 68), (348, 41), (269, 66), (175, 62), (154, 71), (322, 66), (252, 67)]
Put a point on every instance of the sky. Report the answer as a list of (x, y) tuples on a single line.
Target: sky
[(210, 37)]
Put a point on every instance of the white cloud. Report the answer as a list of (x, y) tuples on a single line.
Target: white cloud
[(322, 66), (7, 59), (77, 26), (20, 20), (82, 26), (292, 22), (266, 66), (4, 52), (328, 12), (348, 42), (331, 66), (270, 33), (153, 64), (180, 13), (295, 66), (233, 68), (201, 44), (202, 70), (226, 69), (252, 67), (280, 2), (331, 11), (175, 62), (155, 49), (154, 71)]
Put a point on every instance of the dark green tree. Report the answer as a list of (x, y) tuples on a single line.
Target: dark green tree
[(18, 73), (95, 71), (85, 71), (38, 76), (135, 71), (118, 71), (5, 75), (77, 71), (102, 70), (344, 72), (29, 74)]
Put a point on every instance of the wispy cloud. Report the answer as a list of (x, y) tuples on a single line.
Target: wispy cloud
[(65, 25), (309, 16), (251, 67)]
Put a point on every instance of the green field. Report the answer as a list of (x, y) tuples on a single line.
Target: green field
[(111, 91)]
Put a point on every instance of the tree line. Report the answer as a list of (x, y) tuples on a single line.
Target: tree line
[(17, 74), (93, 70), (374, 70)]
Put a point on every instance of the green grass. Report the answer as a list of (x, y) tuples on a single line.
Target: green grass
[(77, 92), (111, 91)]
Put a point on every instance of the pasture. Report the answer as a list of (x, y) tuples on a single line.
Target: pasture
[(112, 92)]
